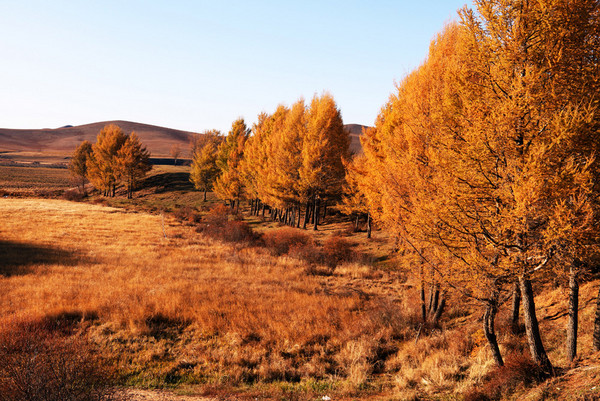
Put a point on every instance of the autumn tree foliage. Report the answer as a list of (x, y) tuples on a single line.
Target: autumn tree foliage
[(294, 158), (229, 185), (103, 165), (175, 152), (485, 156), (324, 147), (258, 163), (116, 157), (133, 163), (354, 201), (78, 163), (204, 168)]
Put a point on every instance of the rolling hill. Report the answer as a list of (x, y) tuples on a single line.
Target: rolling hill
[(355, 131), (158, 140), (64, 140)]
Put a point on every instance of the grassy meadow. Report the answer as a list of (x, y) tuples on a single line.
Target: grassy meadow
[(170, 306)]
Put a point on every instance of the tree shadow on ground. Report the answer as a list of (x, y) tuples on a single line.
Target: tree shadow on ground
[(166, 182), (17, 258)]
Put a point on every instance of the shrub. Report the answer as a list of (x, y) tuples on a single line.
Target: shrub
[(73, 195), (220, 211), (337, 250), (37, 363), (309, 253), (281, 241), (518, 370), (234, 231), (188, 215)]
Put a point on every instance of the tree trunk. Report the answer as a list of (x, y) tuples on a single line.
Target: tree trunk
[(307, 215), (573, 314), (316, 213), (516, 304), (299, 206), (596, 339), (423, 305), (263, 209), (436, 296), (204, 199), (431, 296), (356, 222), (368, 224), (439, 310), (489, 330), (536, 347), (324, 210)]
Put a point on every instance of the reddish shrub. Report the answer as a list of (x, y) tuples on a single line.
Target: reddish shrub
[(518, 370), (307, 252), (229, 231), (187, 215), (38, 363), (281, 241), (220, 210), (337, 250), (236, 231), (73, 195)]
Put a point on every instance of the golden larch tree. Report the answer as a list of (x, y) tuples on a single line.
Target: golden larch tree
[(133, 163), (229, 184), (78, 163), (204, 168), (324, 147), (102, 164)]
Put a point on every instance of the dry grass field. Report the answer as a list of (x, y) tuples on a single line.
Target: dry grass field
[(184, 308), (187, 312), (34, 181)]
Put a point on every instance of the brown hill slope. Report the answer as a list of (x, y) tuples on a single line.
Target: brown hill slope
[(158, 140), (355, 131)]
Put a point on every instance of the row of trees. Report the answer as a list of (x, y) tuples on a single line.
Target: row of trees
[(115, 157), (485, 160), (290, 159)]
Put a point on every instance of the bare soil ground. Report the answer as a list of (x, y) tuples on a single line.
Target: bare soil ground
[(156, 395)]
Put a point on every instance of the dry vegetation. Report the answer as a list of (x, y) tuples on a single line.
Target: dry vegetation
[(37, 181), (188, 310), (184, 308)]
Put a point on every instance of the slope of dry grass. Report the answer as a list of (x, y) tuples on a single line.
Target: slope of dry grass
[(187, 310)]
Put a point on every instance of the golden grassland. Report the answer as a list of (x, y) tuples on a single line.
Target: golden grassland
[(17, 180), (186, 310)]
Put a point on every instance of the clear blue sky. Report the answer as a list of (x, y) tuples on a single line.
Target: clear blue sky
[(197, 65)]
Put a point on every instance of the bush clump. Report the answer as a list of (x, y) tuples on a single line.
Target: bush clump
[(518, 370), (187, 215), (286, 240), (39, 363), (337, 250), (219, 223)]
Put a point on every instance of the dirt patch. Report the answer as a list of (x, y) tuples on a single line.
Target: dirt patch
[(156, 395)]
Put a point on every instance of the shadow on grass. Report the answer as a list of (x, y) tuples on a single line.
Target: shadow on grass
[(166, 182), (17, 258)]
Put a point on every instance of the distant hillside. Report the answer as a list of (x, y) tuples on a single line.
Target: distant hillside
[(158, 140), (355, 133), (64, 140)]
